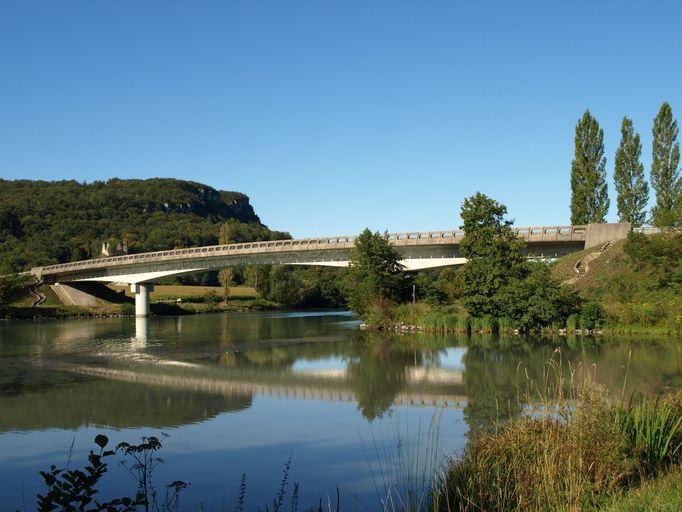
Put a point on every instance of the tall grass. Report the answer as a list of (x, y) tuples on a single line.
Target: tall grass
[(406, 467), (655, 431), (574, 449)]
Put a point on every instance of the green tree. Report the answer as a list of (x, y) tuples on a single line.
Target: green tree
[(12, 287), (538, 299), (497, 279), (628, 175), (374, 277), (589, 195), (493, 253), (665, 178)]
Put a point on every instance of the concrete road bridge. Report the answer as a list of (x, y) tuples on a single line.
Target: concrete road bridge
[(418, 250)]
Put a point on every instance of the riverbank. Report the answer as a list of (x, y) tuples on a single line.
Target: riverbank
[(166, 301), (115, 311), (453, 319)]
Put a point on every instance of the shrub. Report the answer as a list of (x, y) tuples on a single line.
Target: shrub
[(127, 309), (592, 315), (211, 297)]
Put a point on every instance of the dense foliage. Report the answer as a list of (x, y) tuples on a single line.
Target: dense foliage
[(498, 280), (12, 287), (628, 176), (374, 278), (52, 222), (296, 287), (493, 251), (589, 195), (665, 178)]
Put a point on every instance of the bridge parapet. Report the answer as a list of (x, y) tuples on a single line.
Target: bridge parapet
[(534, 234)]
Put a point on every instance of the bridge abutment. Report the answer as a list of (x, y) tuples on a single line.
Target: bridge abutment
[(141, 292)]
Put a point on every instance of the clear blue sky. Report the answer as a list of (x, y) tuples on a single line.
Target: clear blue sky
[(333, 116)]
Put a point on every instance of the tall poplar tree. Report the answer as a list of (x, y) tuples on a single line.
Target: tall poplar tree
[(665, 178), (628, 175), (589, 195)]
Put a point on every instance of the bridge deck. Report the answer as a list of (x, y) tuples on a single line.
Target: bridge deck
[(545, 235)]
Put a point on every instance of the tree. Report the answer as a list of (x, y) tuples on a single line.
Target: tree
[(665, 178), (628, 175), (374, 277), (589, 195), (493, 253), (497, 279), (538, 299), (11, 288)]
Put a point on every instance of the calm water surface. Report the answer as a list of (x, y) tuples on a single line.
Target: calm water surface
[(241, 393)]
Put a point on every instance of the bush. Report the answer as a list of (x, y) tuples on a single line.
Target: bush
[(211, 297), (592, 315), (127, 309), (573, 322), (12, 288)]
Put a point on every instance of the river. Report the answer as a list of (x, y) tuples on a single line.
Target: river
[(243, 393)]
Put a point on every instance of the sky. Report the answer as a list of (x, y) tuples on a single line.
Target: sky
[(333, 116)]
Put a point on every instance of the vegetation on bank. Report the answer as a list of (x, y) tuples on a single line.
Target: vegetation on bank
[(632, 286), (569, 457), (638, 283), (498, 287)]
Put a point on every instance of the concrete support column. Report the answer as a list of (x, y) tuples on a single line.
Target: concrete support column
[(141, 292)]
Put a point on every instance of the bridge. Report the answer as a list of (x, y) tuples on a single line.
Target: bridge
[(418, 250)]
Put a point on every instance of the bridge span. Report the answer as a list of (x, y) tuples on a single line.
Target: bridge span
[(419, 250)]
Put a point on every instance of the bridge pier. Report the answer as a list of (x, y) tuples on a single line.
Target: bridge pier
[(141, 292)]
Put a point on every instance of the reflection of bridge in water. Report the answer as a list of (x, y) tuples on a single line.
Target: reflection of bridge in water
[(419, 392)]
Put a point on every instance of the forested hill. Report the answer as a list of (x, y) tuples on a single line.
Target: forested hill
[(45, 222)]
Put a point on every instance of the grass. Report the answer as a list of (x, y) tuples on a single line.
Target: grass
[(172, 292), (637, 295), (579, 450), (663, 494), (405, 475)]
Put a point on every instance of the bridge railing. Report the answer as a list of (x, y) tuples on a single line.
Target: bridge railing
[(534, 234), (449, 237)]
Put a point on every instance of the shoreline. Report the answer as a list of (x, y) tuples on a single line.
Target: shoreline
[(403, 328), (160, 309)]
